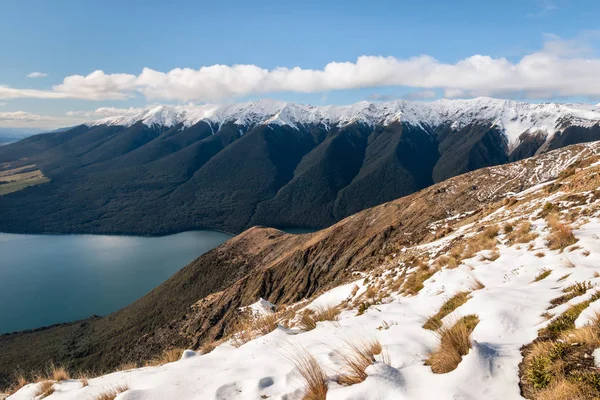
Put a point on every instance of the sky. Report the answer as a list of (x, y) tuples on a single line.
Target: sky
[(63, 62)]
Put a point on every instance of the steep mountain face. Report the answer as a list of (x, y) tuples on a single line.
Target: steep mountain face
[(269, 163), (199, 303)]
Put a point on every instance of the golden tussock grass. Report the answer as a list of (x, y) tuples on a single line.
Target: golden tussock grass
[(414, 282), (564, 390), (111, 392), (248, 328), (486, 240), (522, 233), (168, 356), (127, 366), (542, 275), (566, 320), (207, 347), (455, 342), (313, 376), (309, 318), (435, 321), (561, 235), (58, 373), (572, 291), (561, 368), (19, 381), (477, 285), (587, 335), (44, 389), (357, 357)]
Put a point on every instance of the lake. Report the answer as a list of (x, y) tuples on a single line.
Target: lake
[(46, 279)]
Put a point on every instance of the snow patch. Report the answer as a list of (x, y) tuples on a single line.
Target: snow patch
[(511, 117)]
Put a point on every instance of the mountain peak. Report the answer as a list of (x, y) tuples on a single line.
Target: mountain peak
[(513, 117)]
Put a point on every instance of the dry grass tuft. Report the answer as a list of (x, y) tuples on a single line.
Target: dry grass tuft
[(563, 390), (19, 381), (568, 263), (58, 373), (357, 358), (248, 328), (562, 278), (543, 274), (521, 234), (414, 282), (112, 392), (127, 366), (540, 254), (435, 321), (561, 235), (477, 285), (455, 342), (207, 347), (315, 379), (587, 335), (44, 389), (566, 320), (486, 240), (309, 318), (576, 289), (168, 356)]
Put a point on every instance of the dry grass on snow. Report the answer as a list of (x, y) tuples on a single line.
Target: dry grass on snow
[(313, 376), (455, 342), (44, 389), (566, 320), (521, 234), (111, 392), (542, 275), (562, 367), (309, 318), (168, 356), (357, 357), (572, 291), (435, 321), (561, 235), (249, 328)]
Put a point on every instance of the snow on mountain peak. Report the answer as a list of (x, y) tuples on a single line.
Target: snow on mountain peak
[(512, 117)]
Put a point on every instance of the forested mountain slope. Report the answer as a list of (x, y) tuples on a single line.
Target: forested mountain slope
[(267, 163)]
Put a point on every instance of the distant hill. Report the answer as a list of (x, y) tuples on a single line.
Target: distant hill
[(9, 135), (268, 163)]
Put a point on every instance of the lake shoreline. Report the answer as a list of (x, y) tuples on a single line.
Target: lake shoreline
[(158, 234)]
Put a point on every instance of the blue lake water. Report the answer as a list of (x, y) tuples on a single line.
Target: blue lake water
[(47, 279)]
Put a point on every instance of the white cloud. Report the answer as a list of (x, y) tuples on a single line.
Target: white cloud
[(37, 75), (106, 112), (22, 119), (560, 68)]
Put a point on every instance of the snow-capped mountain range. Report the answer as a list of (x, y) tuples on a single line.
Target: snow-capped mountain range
[(513, 117)]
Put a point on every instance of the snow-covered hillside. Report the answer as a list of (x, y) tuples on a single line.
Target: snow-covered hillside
[(514, 118), (518, 266)]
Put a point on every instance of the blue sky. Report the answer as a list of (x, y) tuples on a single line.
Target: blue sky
[(63, 38)]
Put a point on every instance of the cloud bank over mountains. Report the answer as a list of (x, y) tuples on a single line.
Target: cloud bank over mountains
[(561, 68)]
